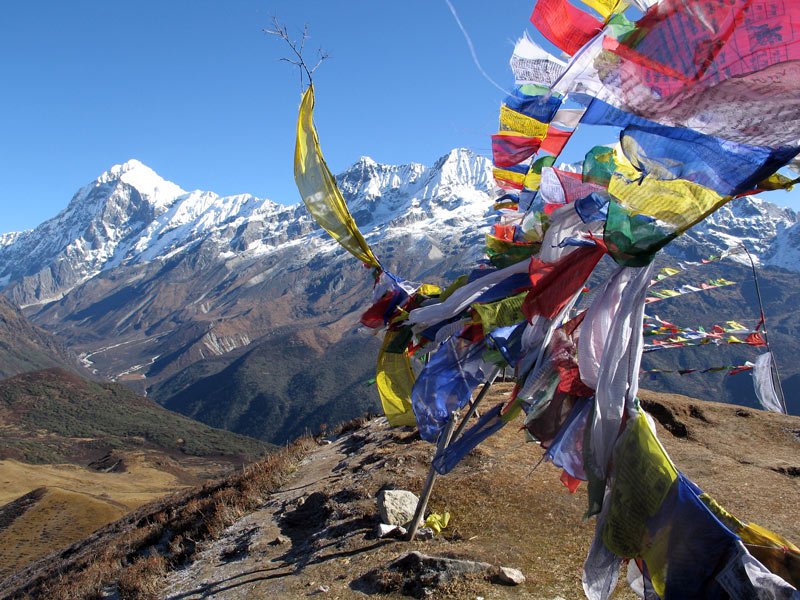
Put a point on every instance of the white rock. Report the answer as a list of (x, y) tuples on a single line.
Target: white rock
[(511, 576), (397, 507), (392, 531)]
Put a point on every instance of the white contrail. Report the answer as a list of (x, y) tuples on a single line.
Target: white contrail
[(472, 49)]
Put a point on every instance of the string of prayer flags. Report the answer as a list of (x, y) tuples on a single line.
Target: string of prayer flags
[(658, 295), (731, 369), (680, 342), (681, 266)]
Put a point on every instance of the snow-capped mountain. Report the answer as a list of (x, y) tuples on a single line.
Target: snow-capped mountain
[(163, 288), (761, 225), (144, 278), (130, 215), (81, 240)]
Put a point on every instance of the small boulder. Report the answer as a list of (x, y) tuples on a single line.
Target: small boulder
[(510, 576), (397, 507), (391, 531)]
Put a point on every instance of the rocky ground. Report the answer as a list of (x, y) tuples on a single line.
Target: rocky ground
[(318, 534)]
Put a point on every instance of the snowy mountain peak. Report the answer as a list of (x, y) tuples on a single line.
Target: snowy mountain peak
[(159, 192), (364, 161), (464, 167)]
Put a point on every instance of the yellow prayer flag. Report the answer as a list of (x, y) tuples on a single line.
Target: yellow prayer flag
[(511, 120), (532, 180), (394, 380), (676, 202), (644, 475), (512, 177), (668, 272), (318, 187), (501, 313), (437, 521), (607, 7)]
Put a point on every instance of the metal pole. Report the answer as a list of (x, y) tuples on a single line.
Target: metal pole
[(444, 440), (766, 337), (474, 407)]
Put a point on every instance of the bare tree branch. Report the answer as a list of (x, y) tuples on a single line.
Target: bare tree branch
[(297, 48)]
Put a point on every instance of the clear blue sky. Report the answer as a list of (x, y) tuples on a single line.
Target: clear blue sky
[(195, 90)]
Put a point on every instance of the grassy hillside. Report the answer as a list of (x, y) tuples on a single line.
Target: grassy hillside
[(76, 455), (55, 416)]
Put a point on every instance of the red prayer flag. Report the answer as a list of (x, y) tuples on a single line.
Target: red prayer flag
[(569, 481), (510, 150), (504, 232), (737, 370), (755, 339), (377, 315), (555, 283), (555, 140), (566, 26)]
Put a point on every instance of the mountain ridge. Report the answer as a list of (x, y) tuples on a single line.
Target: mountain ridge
[(201, 281)]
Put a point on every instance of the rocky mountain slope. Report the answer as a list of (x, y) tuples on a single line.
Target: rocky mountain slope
[(186, 296), (26, 347), (305, 523)]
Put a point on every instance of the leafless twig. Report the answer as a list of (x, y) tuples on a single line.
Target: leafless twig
[(297, 48)]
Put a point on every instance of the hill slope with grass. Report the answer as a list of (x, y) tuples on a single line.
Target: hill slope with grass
[(76, 455), (304, 521), (55, 416)]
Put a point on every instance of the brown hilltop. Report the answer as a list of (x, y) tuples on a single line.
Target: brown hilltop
[(304, 523)]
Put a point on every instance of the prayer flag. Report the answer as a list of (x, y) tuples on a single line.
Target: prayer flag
[(395, 380), (564, 25), (533, 64), (318, 187)]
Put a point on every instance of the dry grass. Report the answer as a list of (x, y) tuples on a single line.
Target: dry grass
[(141, 483), (504, 512), (56, 520), (133, 553)]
